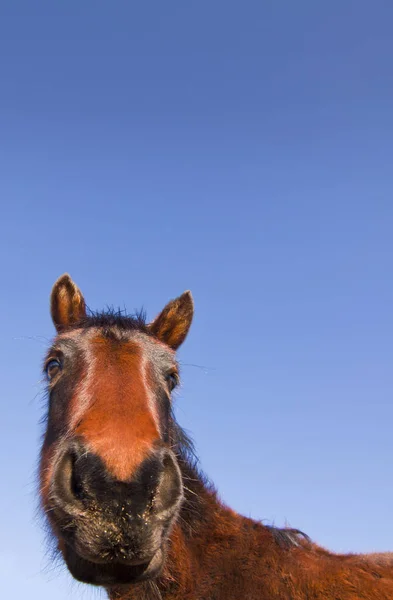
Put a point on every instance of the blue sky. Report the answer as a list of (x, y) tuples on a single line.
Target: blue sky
[(244, 151)]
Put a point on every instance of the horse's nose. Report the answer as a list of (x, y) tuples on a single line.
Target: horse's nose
[(81, 482)]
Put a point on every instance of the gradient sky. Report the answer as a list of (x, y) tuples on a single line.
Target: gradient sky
[(239, 149)]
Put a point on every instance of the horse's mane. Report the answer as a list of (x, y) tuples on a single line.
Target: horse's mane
[(114, 318), (195, 478)]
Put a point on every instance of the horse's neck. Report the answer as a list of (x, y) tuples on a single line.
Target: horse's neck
[(202, 522), (212, 551)]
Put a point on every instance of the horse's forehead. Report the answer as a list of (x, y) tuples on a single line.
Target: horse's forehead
[(114, 342)]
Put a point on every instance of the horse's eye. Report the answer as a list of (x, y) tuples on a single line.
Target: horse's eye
[(172, 380), (52, 368)]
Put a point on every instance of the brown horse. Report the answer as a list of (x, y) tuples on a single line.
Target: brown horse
[(119, 485)]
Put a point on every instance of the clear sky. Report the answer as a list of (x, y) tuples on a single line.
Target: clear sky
[(239, 149)]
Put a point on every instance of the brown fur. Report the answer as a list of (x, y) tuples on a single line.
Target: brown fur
[(118, 431), (232, 557), (212, 552)]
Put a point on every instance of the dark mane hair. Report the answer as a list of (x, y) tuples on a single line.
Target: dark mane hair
[(286, 537), (114, 318)]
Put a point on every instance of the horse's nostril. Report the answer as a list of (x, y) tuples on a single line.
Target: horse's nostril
[(169, 491), (63, 480), (76, 480), (68, 484)]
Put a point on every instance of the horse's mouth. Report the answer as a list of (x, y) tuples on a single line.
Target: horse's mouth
[(113, 573)]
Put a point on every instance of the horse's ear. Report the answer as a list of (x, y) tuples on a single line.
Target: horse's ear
[(67, 304), (172, 324)]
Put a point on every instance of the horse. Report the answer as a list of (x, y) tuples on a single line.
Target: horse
[(127, 505)]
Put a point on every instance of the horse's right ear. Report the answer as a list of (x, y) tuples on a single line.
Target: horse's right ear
[(67, 304)]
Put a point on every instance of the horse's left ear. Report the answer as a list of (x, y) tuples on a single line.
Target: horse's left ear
[(67, 303), (172, 324)]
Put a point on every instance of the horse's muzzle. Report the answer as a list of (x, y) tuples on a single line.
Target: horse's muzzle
[(113, 530)]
